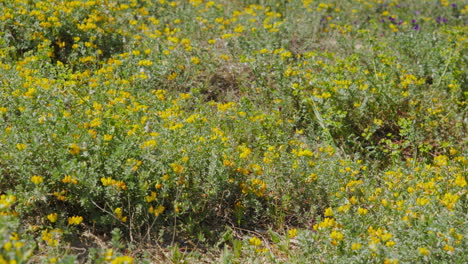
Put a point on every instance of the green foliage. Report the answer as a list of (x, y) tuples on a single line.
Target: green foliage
[(196, 125)]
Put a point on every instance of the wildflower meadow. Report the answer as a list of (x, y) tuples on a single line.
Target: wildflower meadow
[(233, 131)]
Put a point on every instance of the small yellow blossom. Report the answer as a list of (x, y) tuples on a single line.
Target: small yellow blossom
[(123, 260), (195, 60), (424, 251), (151, 197), (460, 181), (172, 76), (292, 233), (245, 152), (74, 149), (327, 222), (453, 151), (328, 211), (145, 63), (37, 179), (255, 241), (312, 177), (448, 248), (449, 200), (75, 220), (52, 217), (441, 160), (422, 201), (7, 246), (148, 144), (69, 179), (118, 212), (390, 243), (337, 235), (21, 146), (95, 122), (177, 168), (356, 246), (109, 253), (159, 210), (362, 211)]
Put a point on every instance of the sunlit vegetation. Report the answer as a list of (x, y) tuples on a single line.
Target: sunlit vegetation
[(229, 131)]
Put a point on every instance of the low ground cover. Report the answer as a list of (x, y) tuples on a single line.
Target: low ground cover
[(233, 131)]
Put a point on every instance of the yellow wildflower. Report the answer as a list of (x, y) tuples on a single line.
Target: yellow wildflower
[(337, 235), (448, 248), (460, 181), (159, 210), (449, 200), (292, 233), (328, 211), (172, 76), (69, 179), (441, 160), (148, 144), (424, 251), (362, 211), (21, 146), (75, 220), (123, 260), (74, 149), (390, 243), (96, 122), (37, 179), (195, 60), (52, 217), (356, 246), (245, 152), (177, 168), (255, 241)]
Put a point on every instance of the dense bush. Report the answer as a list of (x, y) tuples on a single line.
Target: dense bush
[(283, 131)]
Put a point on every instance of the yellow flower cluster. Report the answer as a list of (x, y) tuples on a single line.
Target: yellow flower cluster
[(69, 179), (52, 217), (37, 179), (157, 211), (51, 237), (118, 213), (75, 220), (108, 181), (255, 186), (6, 204)]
